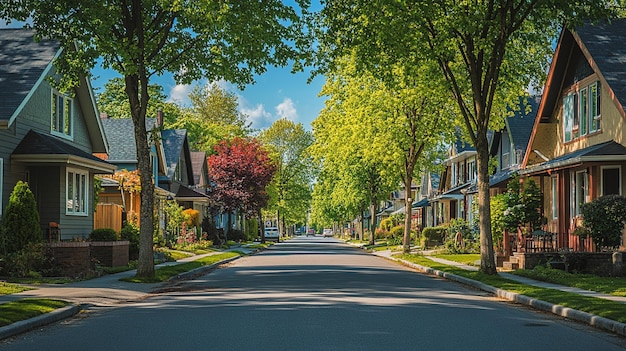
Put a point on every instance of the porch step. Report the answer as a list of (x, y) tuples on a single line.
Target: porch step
[(510, 265)]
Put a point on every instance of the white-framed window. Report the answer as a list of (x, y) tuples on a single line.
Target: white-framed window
[(580, 191), (471, 169), (554, 191), (77, 194), (62, 114), (611, 180), (581, 112)]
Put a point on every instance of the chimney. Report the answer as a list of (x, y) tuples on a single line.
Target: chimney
[(159, 118)]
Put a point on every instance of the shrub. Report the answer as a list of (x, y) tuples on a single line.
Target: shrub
[(468, 235), (20, 223), (33, 261), (192, 217), (432, 236), (236, 235), (604, 217), (130, 232), (103, 234)]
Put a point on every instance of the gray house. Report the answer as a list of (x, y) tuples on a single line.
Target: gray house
[(47, 137)]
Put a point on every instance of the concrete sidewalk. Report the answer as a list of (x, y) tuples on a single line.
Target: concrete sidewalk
[(588, 318), (105, 291)]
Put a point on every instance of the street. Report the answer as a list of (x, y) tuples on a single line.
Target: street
[(314, 293)]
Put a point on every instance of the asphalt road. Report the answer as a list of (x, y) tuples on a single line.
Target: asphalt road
[(316, 294)]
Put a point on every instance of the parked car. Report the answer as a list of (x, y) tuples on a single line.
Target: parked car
[(310, 232), (271, 233), (327, 232)]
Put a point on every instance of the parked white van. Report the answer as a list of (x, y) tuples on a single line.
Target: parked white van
[(271, 233)]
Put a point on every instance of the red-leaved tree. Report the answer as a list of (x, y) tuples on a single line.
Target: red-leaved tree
[(239, 171)]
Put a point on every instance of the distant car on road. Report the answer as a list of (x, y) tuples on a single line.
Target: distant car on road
[(271, 233), (310, 232), (327, 232)]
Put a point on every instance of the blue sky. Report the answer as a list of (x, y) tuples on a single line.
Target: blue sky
[(276, 94)]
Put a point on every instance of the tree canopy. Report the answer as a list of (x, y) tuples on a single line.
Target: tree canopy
[(140, 39)]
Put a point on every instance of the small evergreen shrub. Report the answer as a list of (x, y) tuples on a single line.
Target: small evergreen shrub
[(20, 222), (35, 260), (130, 232), (103, 234), (433, 236), (236, 235), (605, 218)]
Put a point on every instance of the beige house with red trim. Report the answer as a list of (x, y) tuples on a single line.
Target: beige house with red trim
[(577, 150)]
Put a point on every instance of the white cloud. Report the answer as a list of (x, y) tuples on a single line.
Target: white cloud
[(257, 115), (180, 94), (287, 109)]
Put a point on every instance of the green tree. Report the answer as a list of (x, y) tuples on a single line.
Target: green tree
[(523, 206), (405, 117), (231, 40), (604, 218), (488, 53), (114, 101), (20, 222), (212, 117), (290, 194)]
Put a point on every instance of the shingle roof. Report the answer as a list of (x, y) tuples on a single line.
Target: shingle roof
[(521, 124), (22, 62), (606, 43), (198, 161), (173, 141), (35, 143), (121, 136)]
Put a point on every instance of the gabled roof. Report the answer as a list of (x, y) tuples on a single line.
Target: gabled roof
[(198, 164), (43, 148), (175, 145), (606, 45), (23, 66), (121, 136), (607, 151), (520, 125), (602, 47)]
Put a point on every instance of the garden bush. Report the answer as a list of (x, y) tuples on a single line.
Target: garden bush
[(433, 236), (33, 261), (236, 235), (103, 234), (130, 232), (604, 217), (20, 222)]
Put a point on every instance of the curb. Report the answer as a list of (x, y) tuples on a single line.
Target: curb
[(200, 270), (580, 316), (35, 322)]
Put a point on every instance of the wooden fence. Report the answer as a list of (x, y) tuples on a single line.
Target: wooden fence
[(108, 216)]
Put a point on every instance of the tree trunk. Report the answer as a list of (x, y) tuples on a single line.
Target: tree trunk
[(408, 203), (261, 226), (487, 256), (362, 225), (372, 222)]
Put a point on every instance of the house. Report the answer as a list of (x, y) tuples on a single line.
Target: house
[(577, 150), (172, 171), (48, 137), (458, 175)]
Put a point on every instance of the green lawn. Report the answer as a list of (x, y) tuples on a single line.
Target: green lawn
[(604, 308), (19, 310), (607, 285), (164, 273), (468, 259), (8, 288)]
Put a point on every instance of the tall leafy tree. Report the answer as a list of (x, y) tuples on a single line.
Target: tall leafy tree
[(212, 117), (240, 170), (488, 53), (288, 144), (231, 40), (114, 101)]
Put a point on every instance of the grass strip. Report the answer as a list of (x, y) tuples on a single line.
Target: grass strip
[(20, 310), (600, 307), (162, 274), (608, 285), (468, 259), (8, 288)]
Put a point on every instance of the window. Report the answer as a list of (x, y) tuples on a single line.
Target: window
[(61, 114), (471, 169), (581, 112), (580, 191), (555, 197), (611, 180), (77, 194)]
